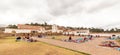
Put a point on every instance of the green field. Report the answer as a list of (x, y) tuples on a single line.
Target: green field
[(118, 40), (8, 46), (59, 37)]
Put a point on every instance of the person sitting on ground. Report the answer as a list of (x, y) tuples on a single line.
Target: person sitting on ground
[(113, 37), (31, 40), (112, 43), (18, 38), (39, 36), (27, 37), (79, 40), (91, 37), (85, 39)]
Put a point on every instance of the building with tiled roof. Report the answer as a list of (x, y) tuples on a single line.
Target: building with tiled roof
[(26, 29), (76, 32), (29, 27)]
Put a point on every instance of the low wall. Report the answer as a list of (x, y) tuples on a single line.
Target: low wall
[(105, 34)]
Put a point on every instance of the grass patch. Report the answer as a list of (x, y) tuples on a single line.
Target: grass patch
[(118, 40), (58, 37), (8, 46)]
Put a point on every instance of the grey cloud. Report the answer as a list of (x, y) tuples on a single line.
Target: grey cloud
[(61, 7), (112, 24), (64, 7), (30, 10), (40, 8), (103, 5), (5, 6), (41, 19), (27, 3), (76, 9), (4, 9)]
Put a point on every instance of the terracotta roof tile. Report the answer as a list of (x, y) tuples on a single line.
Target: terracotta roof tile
[(22, 26)]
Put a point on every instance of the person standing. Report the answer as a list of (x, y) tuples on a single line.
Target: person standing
[(70, 39)]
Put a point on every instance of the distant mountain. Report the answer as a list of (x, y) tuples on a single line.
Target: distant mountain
[(110, 26), (2, 25)]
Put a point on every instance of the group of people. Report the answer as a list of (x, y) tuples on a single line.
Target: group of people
[(108, 44), (111, 44), (40, 36), (81, 39), (27, 38), (114, 37)]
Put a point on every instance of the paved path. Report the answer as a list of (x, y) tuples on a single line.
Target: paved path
[(90, 47)]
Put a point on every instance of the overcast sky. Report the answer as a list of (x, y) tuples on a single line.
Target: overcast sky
[(77, 13)]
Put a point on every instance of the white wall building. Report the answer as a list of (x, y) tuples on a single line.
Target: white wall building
[(77, 32), (7, 30), (26, 29), (55, 29)]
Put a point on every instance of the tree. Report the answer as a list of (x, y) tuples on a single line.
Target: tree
[(12, 26), (112, 30), (45, 24), (118, 30), (96, 30), (27, 24), (36, 24), (31, 24)]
